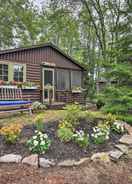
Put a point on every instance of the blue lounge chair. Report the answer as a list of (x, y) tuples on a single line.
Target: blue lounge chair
[(11, 100)]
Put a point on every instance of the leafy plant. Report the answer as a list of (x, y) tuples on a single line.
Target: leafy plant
[(111, 118), (65, 124), (65, 134), (73, 112), (100, 134), (118, 127), (81, 138), (39, 122), (11, 132), (39, 143)]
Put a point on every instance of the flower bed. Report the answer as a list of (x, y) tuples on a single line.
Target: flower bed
[(59, 150)]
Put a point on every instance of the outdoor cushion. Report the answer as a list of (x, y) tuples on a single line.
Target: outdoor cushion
[(14, 102)]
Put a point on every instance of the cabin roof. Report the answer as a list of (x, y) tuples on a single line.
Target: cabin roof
[(42, 46)]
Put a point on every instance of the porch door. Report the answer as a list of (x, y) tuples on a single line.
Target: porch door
[(48, 79)]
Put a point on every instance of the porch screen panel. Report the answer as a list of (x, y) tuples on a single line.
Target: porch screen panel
[(76, 79), (63, 79)]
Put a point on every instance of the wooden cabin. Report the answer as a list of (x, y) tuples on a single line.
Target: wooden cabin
[(40, 66)]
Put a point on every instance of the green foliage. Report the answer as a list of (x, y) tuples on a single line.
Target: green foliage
[(73, 112), (100, 134), (118, 94), (65, 124), (127, 118), (81, 138), (39, 143), (65, 134), (118, 127), (39, 122), (118, 100), (93, 115)]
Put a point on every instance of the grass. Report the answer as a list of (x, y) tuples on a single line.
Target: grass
[(25, 118)]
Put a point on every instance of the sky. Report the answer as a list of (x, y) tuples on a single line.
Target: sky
[(40, 2)]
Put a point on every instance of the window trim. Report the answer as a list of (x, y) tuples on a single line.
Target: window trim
[(18, 72), (11, 69), (7, 72)]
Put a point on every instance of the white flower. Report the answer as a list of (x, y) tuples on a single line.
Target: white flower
[(45, 136), (107, 137), (40, 133), (35, 143), (41, 138), (42, 143), (35, 137)]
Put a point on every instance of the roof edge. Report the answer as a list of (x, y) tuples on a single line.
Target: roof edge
[(43, 45)]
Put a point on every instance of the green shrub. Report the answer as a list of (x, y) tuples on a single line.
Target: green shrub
[(81, 138), (39, 143), (65, 134), (39, 122), (73, 112)]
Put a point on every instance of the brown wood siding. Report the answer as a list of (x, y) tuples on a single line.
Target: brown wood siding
[(34, 58)]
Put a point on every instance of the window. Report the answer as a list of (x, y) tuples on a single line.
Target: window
[(76, 78), (4, 72), (18, 73), (63, 79)]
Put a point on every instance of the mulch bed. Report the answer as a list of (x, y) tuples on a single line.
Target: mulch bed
[(58, 150)]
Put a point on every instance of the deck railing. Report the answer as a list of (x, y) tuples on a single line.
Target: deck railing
[(11, 94)]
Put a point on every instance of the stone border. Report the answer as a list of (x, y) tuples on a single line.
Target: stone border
[(123, 147)]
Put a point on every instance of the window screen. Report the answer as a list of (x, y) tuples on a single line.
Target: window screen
[(76, 78), (63, 79)]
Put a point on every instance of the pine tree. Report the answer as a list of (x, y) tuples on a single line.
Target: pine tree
[(118, 94)]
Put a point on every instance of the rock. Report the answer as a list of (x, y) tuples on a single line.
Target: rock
[(116, 154), (122, 148), (128, 128), (70, 163), (11, 158), (67, 163), (129, 155), (126, 139), (46, 163), (31, 160), (103, 156), (83, 160)]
